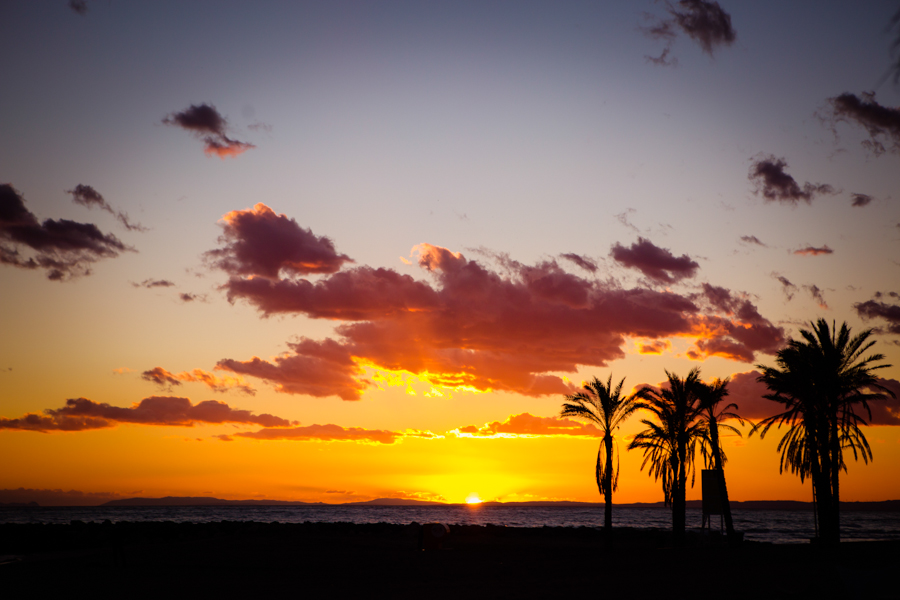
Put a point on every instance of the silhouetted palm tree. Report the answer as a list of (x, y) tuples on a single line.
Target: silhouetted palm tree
[(711, 395), (821, 381), (669, 446), (606, 408)]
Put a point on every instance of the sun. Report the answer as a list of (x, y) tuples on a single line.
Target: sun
[(473, 499)]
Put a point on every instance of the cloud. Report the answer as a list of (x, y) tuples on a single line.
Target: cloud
[(63, 248), (882, 123), (659, 264), (315, 368), (153, 283), (885, 412), (166, 379), (528, 425), (82, 414), (873, 309), (189, 297), (786, 286), (87, 196), (475, 326), (813, 251), (327, 433), (817, 295), (704, 22), (582, 261), (752, 239), (654, 347), (205, 122), (861, 199), (79, 7), (260, 243), (776, 185)]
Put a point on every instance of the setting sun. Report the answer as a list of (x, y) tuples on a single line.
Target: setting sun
[(473, 499)]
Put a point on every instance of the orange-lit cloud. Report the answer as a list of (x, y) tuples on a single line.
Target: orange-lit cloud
[(526, 424), (654, 347), (329, 433), (63, 248), (205, 122), (813, 251), (82, 414), (166, 379), (510, 328)]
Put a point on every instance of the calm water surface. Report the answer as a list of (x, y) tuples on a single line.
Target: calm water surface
[(759, 525)]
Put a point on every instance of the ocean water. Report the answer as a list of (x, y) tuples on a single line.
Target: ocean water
[(758, 525)]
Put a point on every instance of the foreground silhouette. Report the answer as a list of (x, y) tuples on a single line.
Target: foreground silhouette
[(821, 381), (606, 408)]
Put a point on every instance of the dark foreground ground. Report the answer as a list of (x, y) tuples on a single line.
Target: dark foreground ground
[(233, 559)]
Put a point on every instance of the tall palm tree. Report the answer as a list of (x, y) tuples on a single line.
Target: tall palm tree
[(669, 446), (711, 395), (821, 380), (604, 406)]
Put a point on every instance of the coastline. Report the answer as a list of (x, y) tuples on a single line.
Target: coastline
[(385, 560)]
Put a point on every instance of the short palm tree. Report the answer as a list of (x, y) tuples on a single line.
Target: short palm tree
[(669, 446), (605, 407), (821, 381), (711, 395)]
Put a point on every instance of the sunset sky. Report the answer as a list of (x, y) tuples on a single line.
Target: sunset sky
[(336, 251)]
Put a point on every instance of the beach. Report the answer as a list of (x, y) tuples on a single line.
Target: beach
[(385, 560)]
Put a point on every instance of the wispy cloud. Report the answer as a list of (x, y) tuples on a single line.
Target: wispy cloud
[(87, 196), (528, 425), (752, 239), (166, 379), (814, 251), (79, 7), (706, 23), (861, 199), (330, 433), (882, 123)]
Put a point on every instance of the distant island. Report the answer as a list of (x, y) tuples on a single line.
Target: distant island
[(887, 505)]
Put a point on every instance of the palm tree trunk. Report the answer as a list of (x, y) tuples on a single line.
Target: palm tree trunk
[(607, 482), (679, 496), (835, 482)]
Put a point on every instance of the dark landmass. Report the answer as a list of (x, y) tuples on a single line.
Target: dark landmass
[(233, 559), (887, 505)]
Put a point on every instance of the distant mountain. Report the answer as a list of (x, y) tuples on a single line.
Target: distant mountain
[(394, 502), (200, 501)]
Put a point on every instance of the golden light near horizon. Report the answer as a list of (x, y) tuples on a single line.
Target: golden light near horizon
[(473, 499)]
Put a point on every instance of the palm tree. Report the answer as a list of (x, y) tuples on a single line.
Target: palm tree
[(606, 408), (711, 395), (820, 381), (669, 445)]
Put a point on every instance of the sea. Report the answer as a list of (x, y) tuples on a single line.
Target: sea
[(776, 526)]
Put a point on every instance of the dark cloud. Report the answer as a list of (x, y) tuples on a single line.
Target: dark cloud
[(329, 433), (582, 261), (205, 122), (659, 264), (814, 251), (704, 22), (189, 297), (63, 248), (474, 326), (882, 123), (817, 294), (79, 7), (528, 425), (861, 199), (787, 287), (82, 414), (752, 239), (153, 283), (259, 242), (87, 196), (873, 309), (776, 185)]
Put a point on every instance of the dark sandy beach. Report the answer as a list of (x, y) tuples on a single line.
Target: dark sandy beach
[(233, 559)]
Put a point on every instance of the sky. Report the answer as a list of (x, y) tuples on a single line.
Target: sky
[(339, 251)]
